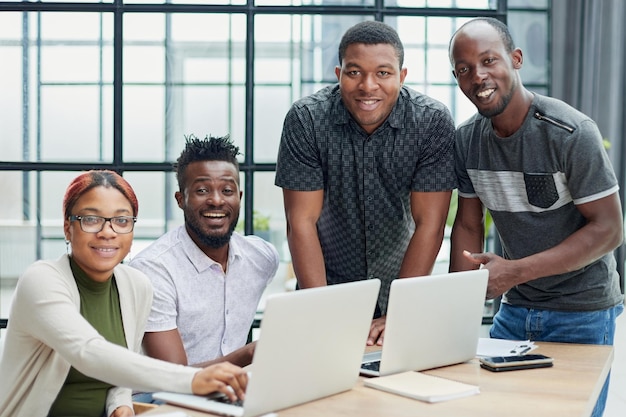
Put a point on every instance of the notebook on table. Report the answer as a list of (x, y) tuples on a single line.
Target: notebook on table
[(310, 346), (432, 321), (423, 387)]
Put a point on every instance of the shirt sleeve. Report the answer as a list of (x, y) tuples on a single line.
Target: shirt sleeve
[(299, 166), (435, 171), (164, 310), (465, 187), (117, 397), (589, 172)]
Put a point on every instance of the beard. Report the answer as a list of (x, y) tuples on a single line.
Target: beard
[(212, 241), (501, 105)]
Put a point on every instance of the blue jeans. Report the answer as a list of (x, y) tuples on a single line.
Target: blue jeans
[(586, 327)]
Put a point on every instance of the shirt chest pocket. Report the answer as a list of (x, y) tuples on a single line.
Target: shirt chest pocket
[(541, 189)]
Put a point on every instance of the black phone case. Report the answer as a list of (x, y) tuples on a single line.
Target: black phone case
[(516, 367)]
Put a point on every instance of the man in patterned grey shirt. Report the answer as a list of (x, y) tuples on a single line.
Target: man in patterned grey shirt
[(367, 171)]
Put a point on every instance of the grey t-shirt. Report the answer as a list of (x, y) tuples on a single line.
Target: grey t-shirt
[(531, 183)]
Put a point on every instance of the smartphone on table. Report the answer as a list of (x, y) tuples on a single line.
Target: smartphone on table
[(513, 363)]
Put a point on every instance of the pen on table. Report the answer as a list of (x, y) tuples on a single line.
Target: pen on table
[(514, 350), (524, 350)]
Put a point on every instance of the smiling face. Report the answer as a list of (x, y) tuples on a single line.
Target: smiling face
[(211, 200), (370, 79), (486, 73), (98, 253)]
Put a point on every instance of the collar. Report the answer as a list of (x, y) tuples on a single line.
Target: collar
[(199, 259)]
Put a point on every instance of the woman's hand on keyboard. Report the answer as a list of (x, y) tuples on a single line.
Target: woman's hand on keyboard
[(224, 377)]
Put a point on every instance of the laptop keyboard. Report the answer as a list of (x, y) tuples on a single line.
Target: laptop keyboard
[(371, 366), (222, 398)]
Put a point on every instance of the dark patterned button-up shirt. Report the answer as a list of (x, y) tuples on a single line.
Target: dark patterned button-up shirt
[(366, 222)]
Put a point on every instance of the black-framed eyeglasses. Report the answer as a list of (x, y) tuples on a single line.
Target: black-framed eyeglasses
[(95, 224)]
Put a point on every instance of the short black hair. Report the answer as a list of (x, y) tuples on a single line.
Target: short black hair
[(500, 27), (208, 149), (371, 32)]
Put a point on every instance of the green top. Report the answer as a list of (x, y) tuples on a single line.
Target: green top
[(82, 395)]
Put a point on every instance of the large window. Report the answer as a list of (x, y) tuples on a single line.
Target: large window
[(119, 85)]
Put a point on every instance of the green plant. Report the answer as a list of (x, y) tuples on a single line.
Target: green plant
[(452, 213), (260, 222)]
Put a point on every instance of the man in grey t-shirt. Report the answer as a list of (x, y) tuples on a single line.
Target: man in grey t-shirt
[(539, 167)]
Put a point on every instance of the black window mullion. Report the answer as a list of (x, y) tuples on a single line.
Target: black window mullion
[(249, 129), (118, 44)]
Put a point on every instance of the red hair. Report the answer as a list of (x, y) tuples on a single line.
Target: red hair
[(97, 178)]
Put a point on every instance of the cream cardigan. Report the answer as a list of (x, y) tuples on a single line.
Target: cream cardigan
[(46, 335)]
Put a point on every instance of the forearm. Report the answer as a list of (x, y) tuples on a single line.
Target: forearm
[(580, 249), (302, 211), (461, 239), (240, 357), (603, 233), (419, 258), (307, 258), (429, 211)]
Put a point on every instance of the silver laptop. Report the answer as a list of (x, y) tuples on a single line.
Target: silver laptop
[(310, 346), (432, 321)]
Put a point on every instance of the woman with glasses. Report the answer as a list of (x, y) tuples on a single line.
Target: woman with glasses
[(76, 324)]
